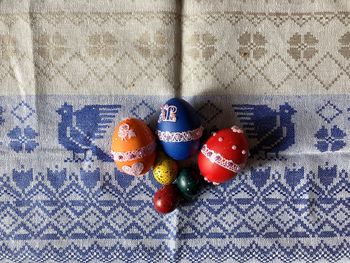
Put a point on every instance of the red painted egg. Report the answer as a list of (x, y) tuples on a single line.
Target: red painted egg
[(223, 155), (166, 199)]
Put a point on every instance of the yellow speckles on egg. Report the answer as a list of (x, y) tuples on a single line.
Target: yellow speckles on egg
[(165, 170)]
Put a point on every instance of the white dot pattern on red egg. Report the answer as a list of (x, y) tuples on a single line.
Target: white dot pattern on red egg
[(217, 158), (229, 149), (236, 129)]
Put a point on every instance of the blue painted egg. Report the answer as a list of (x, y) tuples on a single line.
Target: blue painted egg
[(179, 129)]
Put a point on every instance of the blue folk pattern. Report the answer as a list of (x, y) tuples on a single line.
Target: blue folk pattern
[(209, 111), (84, 209), (143, 111), (212, 252), (329, 111), (330, 137), (273, 130), (78, 130), (23, 111), (332, 140), (23, 140), (261, 203)]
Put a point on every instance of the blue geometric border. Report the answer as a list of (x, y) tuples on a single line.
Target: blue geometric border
[(322, 251), (282, 206), (292, 202)]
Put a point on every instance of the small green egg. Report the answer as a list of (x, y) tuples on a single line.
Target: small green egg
[(188, 182)]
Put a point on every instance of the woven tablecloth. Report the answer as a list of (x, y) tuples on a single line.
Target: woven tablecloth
[(70, 70)]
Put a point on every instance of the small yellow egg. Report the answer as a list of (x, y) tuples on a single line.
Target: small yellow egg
[(165, 170)]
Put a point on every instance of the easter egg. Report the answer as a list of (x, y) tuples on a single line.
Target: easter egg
[(223, 155), (188, 182), (133, 147), (165, 170), (166, 199), (179, 129)]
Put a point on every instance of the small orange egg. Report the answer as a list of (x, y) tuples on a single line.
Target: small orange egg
[(133, 147)]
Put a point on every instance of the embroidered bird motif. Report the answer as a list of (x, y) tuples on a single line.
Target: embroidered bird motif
[(272, 130), (79, 130)]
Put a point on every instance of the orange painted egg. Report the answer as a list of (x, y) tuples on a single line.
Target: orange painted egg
[(133, 147)]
